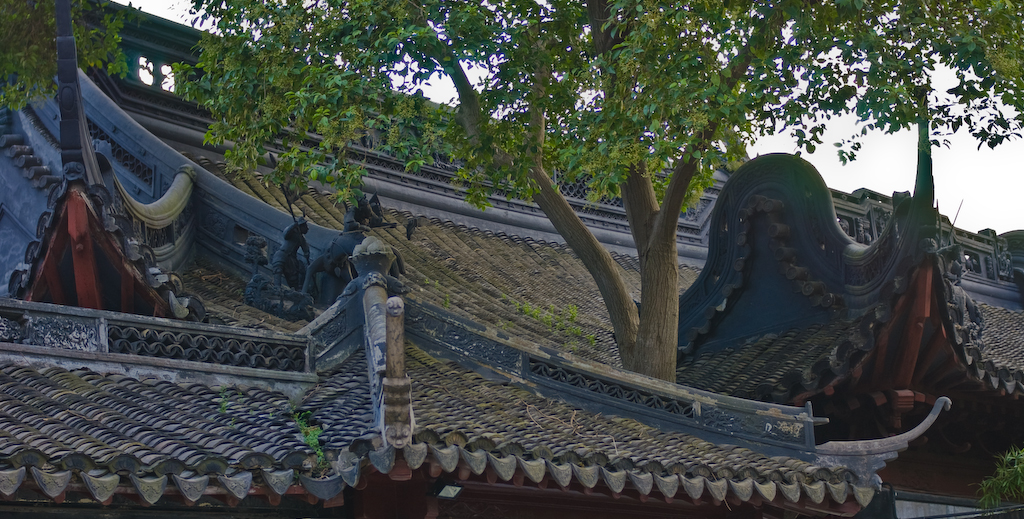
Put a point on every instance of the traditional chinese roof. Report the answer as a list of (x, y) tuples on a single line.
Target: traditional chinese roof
[(520, 285), (82, 431), (512, 367), (475, 427), (789, 309)]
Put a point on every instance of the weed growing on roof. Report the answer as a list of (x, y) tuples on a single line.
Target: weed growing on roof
[(553, 318), (311, 435), (224, 400), (570, 313), (447, 301), (592, 339)]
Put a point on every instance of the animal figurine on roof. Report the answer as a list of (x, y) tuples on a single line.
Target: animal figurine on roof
[(331, 272), (270, 297), (285, 263)]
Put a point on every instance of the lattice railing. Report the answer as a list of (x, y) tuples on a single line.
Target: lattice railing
[(77, 329)]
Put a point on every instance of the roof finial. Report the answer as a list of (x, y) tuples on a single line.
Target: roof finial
[(77, 155)]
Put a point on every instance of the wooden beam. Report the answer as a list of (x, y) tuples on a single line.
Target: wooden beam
[(49, 278), (86, 274), (938, 348), (914, 331), (881, 376), (54, 253)]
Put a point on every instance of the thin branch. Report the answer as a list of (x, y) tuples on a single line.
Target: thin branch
[(686, 167)]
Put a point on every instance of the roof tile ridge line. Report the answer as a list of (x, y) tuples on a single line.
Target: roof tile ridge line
[(616, 375), (513, 238)]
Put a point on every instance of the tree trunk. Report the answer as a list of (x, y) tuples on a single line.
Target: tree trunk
[(654, 353), (598, 261)]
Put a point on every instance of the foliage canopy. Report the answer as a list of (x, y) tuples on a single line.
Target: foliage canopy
[(28, 60), (341, 70), (639, 99)]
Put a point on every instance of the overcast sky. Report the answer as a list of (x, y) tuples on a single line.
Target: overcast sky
[(989, 183)]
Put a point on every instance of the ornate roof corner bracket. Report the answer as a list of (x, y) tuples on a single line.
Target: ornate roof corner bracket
[(384, 340), (866, 457), (399, 420)]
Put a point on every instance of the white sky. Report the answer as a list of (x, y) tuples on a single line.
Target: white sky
[(990, 183)]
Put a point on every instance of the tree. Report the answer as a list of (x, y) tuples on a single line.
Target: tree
[(613, 93), (28, 59)]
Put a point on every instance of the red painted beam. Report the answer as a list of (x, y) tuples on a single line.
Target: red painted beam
[(86, 274), (906, 363)]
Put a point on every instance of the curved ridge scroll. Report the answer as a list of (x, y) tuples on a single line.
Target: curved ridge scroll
[(775, 234), (162, 212), (866, 457)]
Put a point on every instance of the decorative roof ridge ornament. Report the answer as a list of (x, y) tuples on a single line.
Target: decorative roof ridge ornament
[(330, 276), (866, 457), (162, 212), (398, 419), (383, 339), (261, 292), (774, 429), (775, 217), (79, 159), (76, 232)]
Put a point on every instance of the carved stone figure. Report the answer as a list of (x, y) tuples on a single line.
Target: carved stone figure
[(881, 217), (845, 226), (332, 271), (261, 293), (863, 235), (972, 264), (268, 296), (967, 319), (1005, 259), (952, 257), (285, 263)]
